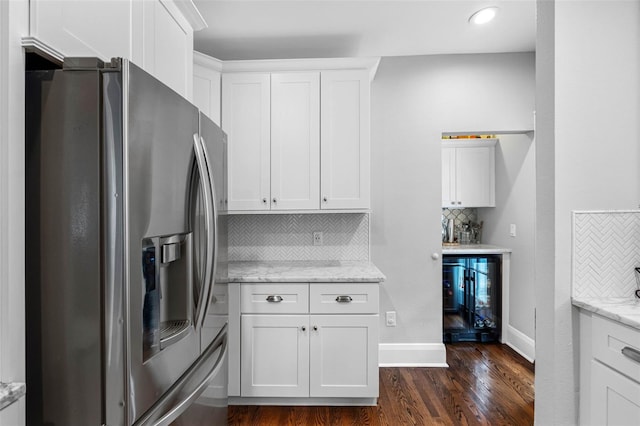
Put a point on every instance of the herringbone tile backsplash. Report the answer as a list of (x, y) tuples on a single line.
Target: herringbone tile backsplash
[(290, 237), (606, 249)]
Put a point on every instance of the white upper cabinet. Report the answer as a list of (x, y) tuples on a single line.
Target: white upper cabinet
[(246, 118), (157, 35), (300, 142), (345, 142), (83, 28), (207, 85), (468, 173), (295, 141)]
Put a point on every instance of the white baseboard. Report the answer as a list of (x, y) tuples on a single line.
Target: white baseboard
[(412, 355), (521, 343)]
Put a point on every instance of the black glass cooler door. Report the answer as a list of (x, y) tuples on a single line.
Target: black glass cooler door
[(471, 298)]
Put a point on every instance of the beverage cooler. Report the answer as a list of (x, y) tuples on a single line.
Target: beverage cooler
[(471, 298)]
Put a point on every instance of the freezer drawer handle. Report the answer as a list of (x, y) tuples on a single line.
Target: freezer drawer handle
[(274, 299), (343, 299), (631, 353)]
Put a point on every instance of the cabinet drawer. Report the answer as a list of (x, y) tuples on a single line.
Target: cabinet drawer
[(274, 298), (343, 298), (609, 339)]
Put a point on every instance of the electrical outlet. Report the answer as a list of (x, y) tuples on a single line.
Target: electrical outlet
[(317, 238), (391, 318), (512, 229)]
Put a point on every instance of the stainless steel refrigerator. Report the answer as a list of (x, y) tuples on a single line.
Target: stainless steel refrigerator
[(126, 238)]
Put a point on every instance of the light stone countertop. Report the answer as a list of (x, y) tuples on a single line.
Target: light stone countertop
[(304, 271), (10, 393), (625, 310), (474, 249)]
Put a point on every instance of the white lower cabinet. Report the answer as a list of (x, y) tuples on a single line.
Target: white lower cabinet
[(616, 398), (343, 360), (609, 372), (275, 355), (309, 341)]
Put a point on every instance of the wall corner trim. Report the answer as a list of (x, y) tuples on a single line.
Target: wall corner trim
[(412, 355)]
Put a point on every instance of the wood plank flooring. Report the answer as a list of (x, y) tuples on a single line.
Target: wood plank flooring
[(485, 384)]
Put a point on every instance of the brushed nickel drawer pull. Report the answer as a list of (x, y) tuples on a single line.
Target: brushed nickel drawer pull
[(343, 299), (274, 299), (631, 353)]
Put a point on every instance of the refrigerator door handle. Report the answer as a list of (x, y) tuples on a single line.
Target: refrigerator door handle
[(157, 416), (210, 220), (213, 260)]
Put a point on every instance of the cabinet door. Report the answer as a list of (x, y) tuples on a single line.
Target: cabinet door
[(99, 28), (448, 177), (295, 141), (163, 44), (206, 88), (345, 141), (475, 176), (615, 398), (246, 120), (275, 355), (344, 356)]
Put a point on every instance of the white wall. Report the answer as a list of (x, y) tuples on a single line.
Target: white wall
[(515, 204), (415, 99), (13, 25), (588, 104)]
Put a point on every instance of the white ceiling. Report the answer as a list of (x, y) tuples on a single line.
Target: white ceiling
[(265, 29)]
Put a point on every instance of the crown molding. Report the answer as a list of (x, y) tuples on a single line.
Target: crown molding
[(305, 64), (191, 14), (207, 61)]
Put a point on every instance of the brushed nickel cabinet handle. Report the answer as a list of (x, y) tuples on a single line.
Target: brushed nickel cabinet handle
[(274, 299), (343, 299), (632, 354)]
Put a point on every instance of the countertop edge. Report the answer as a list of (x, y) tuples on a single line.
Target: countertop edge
[(306, 280), (10, 393), (304, 272), (601, 307), (475, 249)]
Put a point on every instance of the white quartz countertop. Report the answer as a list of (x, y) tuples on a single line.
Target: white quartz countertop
[(625, 310), (304, 271), (474, 249)]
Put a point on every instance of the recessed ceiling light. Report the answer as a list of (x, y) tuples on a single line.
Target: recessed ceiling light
[(483, 15)]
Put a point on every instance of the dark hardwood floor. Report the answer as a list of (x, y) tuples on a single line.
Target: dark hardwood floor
[(485, 384)]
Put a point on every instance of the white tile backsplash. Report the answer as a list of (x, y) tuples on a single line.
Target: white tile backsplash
[(282, 237), (606, 249)]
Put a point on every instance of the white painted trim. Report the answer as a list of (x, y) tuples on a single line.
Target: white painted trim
[(317, 401), (207, 61), (506, 275), (453, 143), (412, 355), (320, 64), (521, 343), (489, 132), (33, 44), (191, 14)]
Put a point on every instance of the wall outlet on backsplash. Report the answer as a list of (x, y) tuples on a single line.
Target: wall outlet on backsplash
[(317, 238)]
